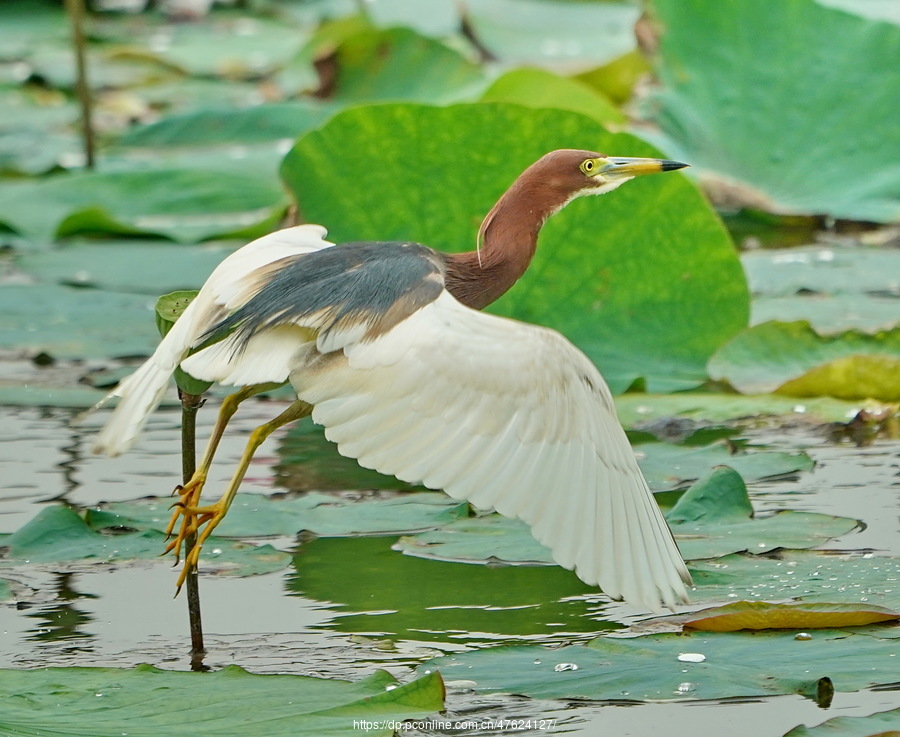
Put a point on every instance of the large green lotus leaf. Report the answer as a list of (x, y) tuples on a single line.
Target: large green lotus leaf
[(540, 88), (850, 578), (180, 203), (229, 126), (76, 323), (145, 701), (58, 535), (139, 266), (775, 355), (253, 515), (399, 64), (630, 278), (880, 724), (736, 664), (810, 129), (713, 518)]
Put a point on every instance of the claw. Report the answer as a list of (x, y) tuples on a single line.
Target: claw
[(189, 517), (203, 521)]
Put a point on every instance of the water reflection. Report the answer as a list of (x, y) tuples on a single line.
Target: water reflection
[(380, 592), (62, 620), (309, 462)]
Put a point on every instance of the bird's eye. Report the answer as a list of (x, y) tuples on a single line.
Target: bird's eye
[(587, 166)]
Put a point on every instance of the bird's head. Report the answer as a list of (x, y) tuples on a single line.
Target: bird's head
[(546, 187), (577, 173), (603, 173)]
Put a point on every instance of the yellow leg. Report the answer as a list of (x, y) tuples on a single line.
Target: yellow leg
[(190, 492), (210, 516)]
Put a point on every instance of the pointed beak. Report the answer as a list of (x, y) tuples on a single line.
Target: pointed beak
[(626, 168)]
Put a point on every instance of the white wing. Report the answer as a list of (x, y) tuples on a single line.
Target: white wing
[(228, 287), (511, 417)]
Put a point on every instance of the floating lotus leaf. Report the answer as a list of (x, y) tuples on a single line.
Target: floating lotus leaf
[(57, 535), (785, 272), (144, 701), (761, 615), (808, 576), (399, 64), (666, 667), (794, 359), (253, 515), (75, 323), (179, 203)]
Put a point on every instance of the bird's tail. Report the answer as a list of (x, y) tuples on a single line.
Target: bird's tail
[(142, 391), (228, 287)]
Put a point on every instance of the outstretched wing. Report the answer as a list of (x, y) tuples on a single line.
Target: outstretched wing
[(508, 416)]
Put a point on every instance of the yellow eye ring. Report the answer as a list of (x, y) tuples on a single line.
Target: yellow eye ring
[(587, 166)]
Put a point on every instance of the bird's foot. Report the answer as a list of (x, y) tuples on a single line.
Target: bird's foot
[(201, 521), (186, 515)]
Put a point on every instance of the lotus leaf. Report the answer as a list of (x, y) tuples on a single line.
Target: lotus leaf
[(145, 701)]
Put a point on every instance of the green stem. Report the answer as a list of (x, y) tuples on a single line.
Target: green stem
[(190, 403), (76, 12)]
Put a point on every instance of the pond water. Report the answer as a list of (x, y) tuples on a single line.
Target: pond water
[(346, 606)]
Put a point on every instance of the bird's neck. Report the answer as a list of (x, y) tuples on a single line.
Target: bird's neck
[(508, 238)]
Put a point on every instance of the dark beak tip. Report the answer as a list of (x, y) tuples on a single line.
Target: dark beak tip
[(668, 165)]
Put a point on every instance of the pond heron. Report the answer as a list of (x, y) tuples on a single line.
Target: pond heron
[(385, 347)]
